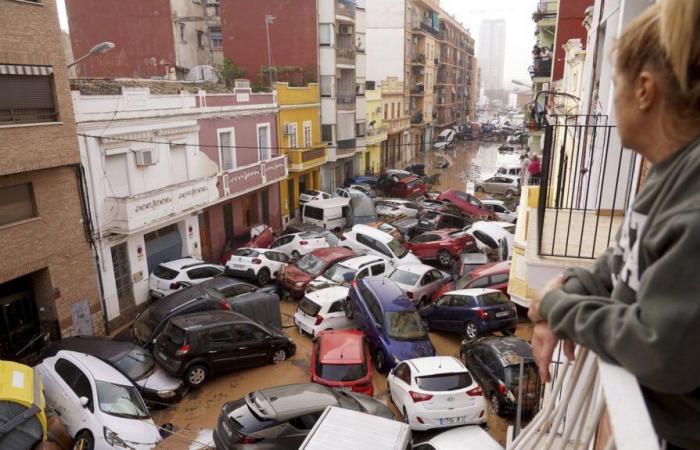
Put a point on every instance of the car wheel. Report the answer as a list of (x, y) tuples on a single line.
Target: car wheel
[(445, 258), (279, 356), (496, 404), (263, 277), (510, 194), (349, 309), (84, 441), (471, 331), (196, 375), (296, 254), (380, 361), (479, 189)]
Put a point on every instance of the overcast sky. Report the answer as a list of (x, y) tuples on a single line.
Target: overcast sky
[(519, 28)]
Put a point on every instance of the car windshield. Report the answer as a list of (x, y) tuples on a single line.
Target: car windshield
[(493, 299), (338, 273), (144, 325), (120, 401), (403, 277), (397, 249), (441, 138), (444, 382), (530, 376), (341, 372), (309, 307), (406, 326), (136, 364), (311, 264)]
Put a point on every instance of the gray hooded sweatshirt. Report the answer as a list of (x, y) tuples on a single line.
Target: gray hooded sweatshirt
[(650, 322)]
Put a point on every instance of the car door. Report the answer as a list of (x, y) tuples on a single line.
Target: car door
[(252, 344), (436, 281), (400, 384), (477, 367), (439, 315), (378, 269), (336, 315), (219, 348), (499, 281), (75, 385), (423, 287), (421, 245), (284, 244), (277, 261), (459, 312), (203, 273)]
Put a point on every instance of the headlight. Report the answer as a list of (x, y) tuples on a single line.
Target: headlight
[(299, 284), (113, 439), (166, 394)]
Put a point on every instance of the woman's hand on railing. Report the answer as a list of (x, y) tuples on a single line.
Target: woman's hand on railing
[(543, 344), (534, 311)]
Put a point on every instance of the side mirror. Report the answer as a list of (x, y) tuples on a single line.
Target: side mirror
[(84, 401)]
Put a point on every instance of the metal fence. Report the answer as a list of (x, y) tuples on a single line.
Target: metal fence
[(587, 183)]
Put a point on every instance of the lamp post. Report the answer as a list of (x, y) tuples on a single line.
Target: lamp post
[(268, 20), (102, 47)]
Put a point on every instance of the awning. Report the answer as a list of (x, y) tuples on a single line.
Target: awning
[(16, 69)]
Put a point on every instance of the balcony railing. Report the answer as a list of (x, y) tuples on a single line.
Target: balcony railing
[(417, 118), (21, 116), (303, 159), (418, 90), (587, 182), (546, 10), (345, 8), (425, 25), (418, 59), (346, 102), (541, 68)]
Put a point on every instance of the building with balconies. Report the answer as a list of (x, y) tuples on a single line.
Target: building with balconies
[(172, 170), (299, 132), (376, 140), (397, 121)]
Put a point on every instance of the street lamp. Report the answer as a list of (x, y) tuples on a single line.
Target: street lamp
[(102, 47), (520, 83)]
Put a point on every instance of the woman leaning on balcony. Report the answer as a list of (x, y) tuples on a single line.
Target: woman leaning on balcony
[(648, 321)]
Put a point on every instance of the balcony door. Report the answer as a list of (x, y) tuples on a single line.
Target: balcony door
[(121, 268)]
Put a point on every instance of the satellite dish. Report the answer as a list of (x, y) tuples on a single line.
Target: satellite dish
[(202, 73)]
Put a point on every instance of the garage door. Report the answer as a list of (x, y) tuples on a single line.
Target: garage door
[(162, 245)]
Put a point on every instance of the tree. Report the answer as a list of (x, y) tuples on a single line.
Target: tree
[(229, 71)]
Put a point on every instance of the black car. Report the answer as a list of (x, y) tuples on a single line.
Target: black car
[(432, 220), (495, 364), (136, 363), (197, 346)]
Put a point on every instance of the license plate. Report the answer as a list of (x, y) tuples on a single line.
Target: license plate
[(238, 266), (502, 314), (453, 420)]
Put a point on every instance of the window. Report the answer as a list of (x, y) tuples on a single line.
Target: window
[(360, 129), (337, 307), (327, 133), (200, 38), (499, 278), (227, 152), (182, 33), (479, 283), (217, 40), (237, 289), (378, 269), (27, 96), (220, 335), (325, 33), (178, 163), (326, 85), (203, 272), (307, 135), (249, 333), (386, 113), (264, 145), (228, 220), (16, 203), (75, 379), (292, 139), (393, 105)]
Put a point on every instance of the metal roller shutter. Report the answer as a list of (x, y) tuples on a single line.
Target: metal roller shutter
[(162, 245)]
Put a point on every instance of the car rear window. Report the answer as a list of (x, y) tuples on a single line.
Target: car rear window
[(313, 213), (309, 307), (246, 252), (444, 382), (175, 334), (493, 299), (530, 375), (403, 277), (341, 372), (165, 273)]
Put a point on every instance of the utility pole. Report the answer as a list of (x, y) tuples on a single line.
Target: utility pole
[(268, 20)]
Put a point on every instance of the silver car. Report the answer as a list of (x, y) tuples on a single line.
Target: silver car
[(506, 185)]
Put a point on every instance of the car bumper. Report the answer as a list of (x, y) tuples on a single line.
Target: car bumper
[(156, 294), (304, 325), (295, 292), (221, 442), (172, 366), (238, 273), (439, 418), (498, 324), (152, 396)]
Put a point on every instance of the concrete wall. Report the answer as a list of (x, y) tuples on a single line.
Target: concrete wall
[(569, 26), (385, 39)]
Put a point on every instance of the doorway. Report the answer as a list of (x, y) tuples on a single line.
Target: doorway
[(19, 319), (122, 277), (204, 239), (291, 207)]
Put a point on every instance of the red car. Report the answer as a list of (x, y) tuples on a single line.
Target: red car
[(442, 245), (295, 277), (467, 203), (408, 187), (261, 236), (341, 359), (492, 276)]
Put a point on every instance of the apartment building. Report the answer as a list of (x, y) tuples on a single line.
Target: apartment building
[(157, 38), (48, 282), (376, 141), (397, 121)]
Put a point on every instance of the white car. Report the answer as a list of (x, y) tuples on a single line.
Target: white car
[(365, 240), (345, 192), (436, 392), (445, 139), (396, 208), (494, 238), (344, 272), (299, 244), (99, 406), (312, 194), (323, 310), (261, 264), (471, 437), (170, 276), (499, 208), (418, 281), (506, 185)]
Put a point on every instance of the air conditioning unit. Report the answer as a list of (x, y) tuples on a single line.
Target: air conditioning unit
[(227, 187), (346, 30), (288, 129), (146, 157)]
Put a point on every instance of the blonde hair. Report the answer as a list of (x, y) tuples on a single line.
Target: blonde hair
[(665, 39)]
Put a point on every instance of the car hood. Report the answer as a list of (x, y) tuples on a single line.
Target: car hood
[(404, 350), (372, 406), (295, 274), (159, 380), (137, 433), (409, 258)]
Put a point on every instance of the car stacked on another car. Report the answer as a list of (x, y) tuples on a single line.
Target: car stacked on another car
[(394, 208), (323, 309), (260, 264), (367, 240), (418, 281), (341, 360), (467, 203), (169, 276), (197, 346), (444, 246), (433, 220), (394, 329), (502, 213), (296, 276), (479, 276), (312, 194), (436, 392), (299, 244), (345, 272)]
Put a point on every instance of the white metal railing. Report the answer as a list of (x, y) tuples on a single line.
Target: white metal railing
[(572, 413)]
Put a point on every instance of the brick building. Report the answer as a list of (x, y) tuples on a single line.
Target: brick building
[(47, 270)]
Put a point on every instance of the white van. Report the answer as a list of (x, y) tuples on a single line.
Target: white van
[(341, 429), (331, 214)]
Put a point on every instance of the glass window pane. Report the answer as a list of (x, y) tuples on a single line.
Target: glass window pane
[(16, 203)]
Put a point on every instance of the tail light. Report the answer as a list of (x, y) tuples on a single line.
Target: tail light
[(175, 285), (223, 304), (185, 349), (501, 388), (319, 319), (257, 261), (303, 242), (482, 314), (475, 392), (418, 397), (481, 414), (409, 295), (250, 440)]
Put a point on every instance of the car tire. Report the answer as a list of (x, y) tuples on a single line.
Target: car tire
[(263, 277), (296, 255), (496, 405), (83, 441), (510, 195), (380, 361), (349, 309), (196, 375), (278, 356), (471, 331), (445, 258), (479, 189)]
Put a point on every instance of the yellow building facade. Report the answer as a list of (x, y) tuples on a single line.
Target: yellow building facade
[(299, 134), (371, 158)]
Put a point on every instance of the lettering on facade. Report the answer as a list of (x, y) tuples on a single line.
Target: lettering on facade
[(274, 166), (192, 192), (153, 204), (245, 175)]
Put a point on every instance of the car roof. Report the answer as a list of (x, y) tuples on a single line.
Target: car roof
[(282, 403), (100, 347), (170, 303), (390, 297), (444, 232), (328, 295), (182, 263), (374, 233), (492, 269), (493, 202), (395, 200), (332, 253), (472, 292), (329, 202), (204, 318), (408, 179), (465, 438), (509, 348), (98, 369), (341, 347), (434, 365), (415, 268), (360, 261), (446, 131), (223, 281)]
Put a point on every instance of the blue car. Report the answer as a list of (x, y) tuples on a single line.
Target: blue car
[(471, 311), (370, 181), (393, 327)]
